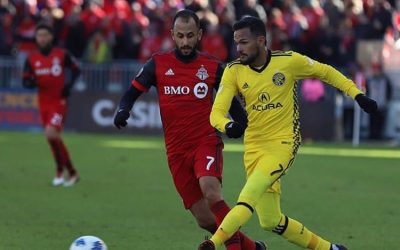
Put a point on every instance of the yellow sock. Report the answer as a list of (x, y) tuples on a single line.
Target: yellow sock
[(298, 234), (233, 221)]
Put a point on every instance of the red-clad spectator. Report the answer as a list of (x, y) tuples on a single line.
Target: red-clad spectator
[(25, 35), (92, 17), (69, 6), (156, 39), (294, 19), (213, 43), (138, 16), (121, 9), (313, 13), (277, 28)]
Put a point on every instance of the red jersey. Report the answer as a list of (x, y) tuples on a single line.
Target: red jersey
[(185, 93), (49, 73)]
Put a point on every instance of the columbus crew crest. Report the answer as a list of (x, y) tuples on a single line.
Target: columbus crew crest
[(202, 73), (278, 79)]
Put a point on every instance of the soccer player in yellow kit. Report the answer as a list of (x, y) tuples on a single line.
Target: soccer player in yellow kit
[(267, 83)]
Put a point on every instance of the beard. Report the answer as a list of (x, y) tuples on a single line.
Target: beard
[(188, 56), (45, 49), (250, 58), (187, 48)]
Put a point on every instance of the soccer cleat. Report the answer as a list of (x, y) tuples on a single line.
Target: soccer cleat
[(57, 181), (71, 181), (338, 247), (207, 245), (261, 245)]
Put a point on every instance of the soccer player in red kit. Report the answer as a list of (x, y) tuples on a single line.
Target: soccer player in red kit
[(45, 69), (185, 79)]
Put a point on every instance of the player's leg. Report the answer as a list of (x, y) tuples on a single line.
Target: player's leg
[(204, 217), (52, 138), (271, 219), (211, 189), (263, 168), (53, 128), (208, 168), (187, 186)]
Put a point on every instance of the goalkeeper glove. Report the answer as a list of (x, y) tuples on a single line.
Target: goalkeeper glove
[(234, 130), (366, 103), (120, 118)]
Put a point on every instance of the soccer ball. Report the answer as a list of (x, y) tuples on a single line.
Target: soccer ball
[(88, 243)]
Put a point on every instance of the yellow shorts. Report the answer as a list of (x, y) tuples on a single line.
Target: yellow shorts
[(273, 158)]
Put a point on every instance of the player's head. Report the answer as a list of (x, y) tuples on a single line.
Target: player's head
[(186, 31), (44, 36), (250, 38)]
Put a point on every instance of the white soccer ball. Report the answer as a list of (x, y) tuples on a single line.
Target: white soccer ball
[(88, 243)]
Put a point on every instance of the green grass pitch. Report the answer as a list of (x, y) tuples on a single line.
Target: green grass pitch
[(127, 198)]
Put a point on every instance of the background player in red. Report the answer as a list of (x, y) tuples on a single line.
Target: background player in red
[(185, 79), (45, 69)]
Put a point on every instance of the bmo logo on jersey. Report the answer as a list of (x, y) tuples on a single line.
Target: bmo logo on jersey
[(200, 90), (176, 90)]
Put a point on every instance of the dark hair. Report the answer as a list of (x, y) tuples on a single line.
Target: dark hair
[(256, 26), (186, 15), (44, 26)]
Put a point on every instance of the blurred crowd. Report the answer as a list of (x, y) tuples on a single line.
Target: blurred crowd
[(98, 31)]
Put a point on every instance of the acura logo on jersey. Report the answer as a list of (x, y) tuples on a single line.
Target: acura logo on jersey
[(200, 90), (267, 106), (263, 97)]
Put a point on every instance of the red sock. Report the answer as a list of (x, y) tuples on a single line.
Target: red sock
[(55, 149), (66, 159), (220, 209)]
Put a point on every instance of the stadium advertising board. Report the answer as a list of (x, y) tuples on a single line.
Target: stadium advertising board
[(95, 113), (18, 109)]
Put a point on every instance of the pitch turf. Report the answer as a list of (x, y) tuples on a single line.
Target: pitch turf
[(126, 195)]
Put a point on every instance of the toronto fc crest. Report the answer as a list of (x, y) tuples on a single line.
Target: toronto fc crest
[(202, 73)]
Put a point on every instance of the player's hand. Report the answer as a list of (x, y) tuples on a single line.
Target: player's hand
[(30, 83), (367, 104), (66, 92), (120, 118), (234, 130)]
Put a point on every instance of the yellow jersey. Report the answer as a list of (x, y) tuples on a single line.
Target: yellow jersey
[(269, 94)]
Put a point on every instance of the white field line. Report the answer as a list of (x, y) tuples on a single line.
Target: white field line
[(304, 150)]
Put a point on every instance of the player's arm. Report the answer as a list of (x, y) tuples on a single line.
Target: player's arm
[(304, 67), (222, 103), (236, 110), (142, 83), (70, 62), (28, 78)]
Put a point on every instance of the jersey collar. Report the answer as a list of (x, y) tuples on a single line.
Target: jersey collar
[(186, 59), (265, 65), (46, 51)]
